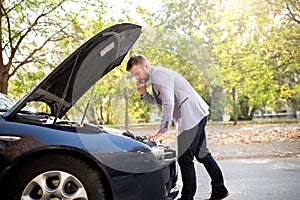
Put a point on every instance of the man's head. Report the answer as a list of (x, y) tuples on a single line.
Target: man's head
[(139, 67)]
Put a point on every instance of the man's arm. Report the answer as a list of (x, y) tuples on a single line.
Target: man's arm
[(167, 98), (147, 97), (167, 105)]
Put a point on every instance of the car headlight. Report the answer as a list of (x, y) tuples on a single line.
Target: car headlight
[(159, 152)]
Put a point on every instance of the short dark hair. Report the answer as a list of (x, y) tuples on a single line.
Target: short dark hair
[(135, 60)]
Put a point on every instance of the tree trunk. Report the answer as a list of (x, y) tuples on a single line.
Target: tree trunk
[(126, 96), (3, 81), (234, 107), (217, 103), (102, 121)]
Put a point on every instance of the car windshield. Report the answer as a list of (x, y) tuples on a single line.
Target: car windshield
[(6, 102)]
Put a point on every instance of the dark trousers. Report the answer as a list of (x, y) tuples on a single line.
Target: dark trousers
[(192, 143)]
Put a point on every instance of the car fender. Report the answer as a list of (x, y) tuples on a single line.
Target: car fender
[(50, 150)]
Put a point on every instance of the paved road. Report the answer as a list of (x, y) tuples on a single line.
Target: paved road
[(255, 179), (254, 171)]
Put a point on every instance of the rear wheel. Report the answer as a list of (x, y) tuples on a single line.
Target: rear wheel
[(56, 177)]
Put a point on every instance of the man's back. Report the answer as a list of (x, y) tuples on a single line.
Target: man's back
[(189, 107)]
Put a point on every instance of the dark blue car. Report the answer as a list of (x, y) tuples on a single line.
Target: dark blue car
[(43, 155)]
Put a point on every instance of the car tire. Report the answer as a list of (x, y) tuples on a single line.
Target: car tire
[(56, 177)]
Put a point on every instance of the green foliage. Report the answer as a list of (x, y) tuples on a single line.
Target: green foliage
[(251, 47), (240, 56), (28, 30), (17, 88)]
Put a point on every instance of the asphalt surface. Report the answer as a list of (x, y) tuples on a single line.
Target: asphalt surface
[(254, 179), (253, 170)]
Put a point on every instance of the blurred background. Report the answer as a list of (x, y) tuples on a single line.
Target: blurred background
[(242, 56)]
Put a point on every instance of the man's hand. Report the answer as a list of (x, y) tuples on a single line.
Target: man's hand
[(141, 88), (156, 135)]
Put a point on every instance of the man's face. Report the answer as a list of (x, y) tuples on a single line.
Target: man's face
[(141, 73)]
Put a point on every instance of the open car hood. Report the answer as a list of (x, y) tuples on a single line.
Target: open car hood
[(83, 68)]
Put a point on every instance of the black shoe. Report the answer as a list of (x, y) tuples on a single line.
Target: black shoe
[(218, 193)]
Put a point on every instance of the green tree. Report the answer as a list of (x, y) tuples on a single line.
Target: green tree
[(282, 52), (241, 48), (262, 56), (195, 31), (27, 29)]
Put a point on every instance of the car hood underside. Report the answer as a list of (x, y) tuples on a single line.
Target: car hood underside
[(76, 74)]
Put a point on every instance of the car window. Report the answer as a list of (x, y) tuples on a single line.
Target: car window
[(6, 102)]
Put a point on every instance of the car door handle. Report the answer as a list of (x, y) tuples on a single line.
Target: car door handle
[(10, 138)]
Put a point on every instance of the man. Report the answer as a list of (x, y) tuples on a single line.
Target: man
[(179, 102)]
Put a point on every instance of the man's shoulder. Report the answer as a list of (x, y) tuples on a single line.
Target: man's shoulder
[(159, 70)]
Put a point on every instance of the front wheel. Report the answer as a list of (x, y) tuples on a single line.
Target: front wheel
[(56, 177)]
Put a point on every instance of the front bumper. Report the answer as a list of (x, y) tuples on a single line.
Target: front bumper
[(170, 174)]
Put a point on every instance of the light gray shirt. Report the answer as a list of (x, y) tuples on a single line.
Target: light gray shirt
[(176, 98)]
